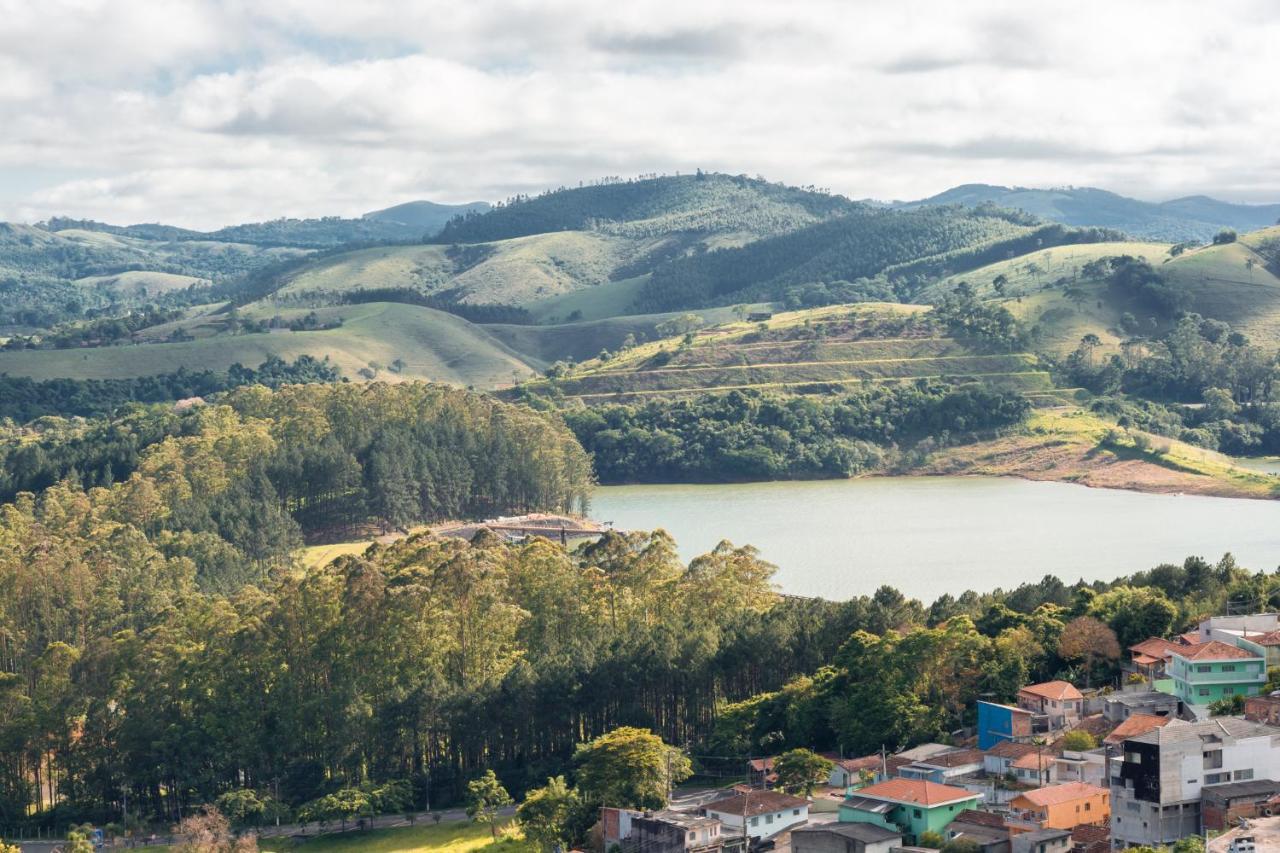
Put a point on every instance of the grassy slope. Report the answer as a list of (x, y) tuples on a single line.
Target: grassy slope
[(725, 357), (1068, 445), (433, 344), (450, 837), (140, 281), (1215, 277)]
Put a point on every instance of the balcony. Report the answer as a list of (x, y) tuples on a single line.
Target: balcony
[(1223, 677)]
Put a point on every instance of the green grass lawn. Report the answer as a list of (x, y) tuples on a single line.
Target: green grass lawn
[(452, 837)]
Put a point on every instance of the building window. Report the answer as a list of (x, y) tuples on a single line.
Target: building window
[(1227, 691), (795, 812), (1217, 778), (768, 818), (1204, 691), (1243, 775), (917, 813), (1228, 667), (1204, 667), (755, 821), (1213, 759), (1087, 806)]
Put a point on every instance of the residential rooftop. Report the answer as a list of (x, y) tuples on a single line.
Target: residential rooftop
[(915, 791), (1135, 725), (867, 833), (1012, 749), (1059, 690), (1052, 795), (1248, 788), (1214, 650), (1180, 732), (755, 803)]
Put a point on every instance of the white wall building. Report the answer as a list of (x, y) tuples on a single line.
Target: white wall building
[(766, 813)]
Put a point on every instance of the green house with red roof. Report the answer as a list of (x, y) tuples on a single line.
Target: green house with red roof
[(1205, 673), (911, 806)]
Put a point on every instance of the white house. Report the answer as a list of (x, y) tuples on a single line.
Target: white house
[(766, 813)]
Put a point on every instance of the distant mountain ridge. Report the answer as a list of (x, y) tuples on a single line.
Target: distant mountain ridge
[(1191, 218), (427, 216)]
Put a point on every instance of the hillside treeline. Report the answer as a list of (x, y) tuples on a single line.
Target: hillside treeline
[(860, 245), (654, 206), (754, 435), (235, 486)]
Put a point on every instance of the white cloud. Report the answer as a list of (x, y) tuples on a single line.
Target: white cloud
[(203, 113)]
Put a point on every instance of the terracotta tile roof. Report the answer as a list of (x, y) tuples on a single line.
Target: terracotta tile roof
[(1058, 690), (1064, 793), (761, 764), (1271, 638), (1156, 647), (1213, 650), (1011, 749), (1135, 725), (980, 818), (756, 803), (853, 765), (1190, 638), (1032, 761), (916, 791), (1091, 833)]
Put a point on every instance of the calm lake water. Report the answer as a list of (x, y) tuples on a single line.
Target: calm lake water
[(930, 535)]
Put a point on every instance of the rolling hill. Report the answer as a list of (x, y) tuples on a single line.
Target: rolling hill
[(1195, 218), (426, 216), (1050, 289)]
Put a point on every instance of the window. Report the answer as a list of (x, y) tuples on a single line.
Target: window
[(768, 818), (1204, 667), (1227, 691), (1204, 691), (755, 821), (1228, 667), (1087, 806), (1213, 759), (693, 836), (1243, 775), (917, 813), (1217, 778), (795, 812)]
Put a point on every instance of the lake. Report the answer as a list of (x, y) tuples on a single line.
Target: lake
[(930, 535)]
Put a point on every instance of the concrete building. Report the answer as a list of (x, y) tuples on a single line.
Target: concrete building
[(912, 806), (845, 838), (848, 771), (1118, 707), (1211, 671), (1224, 806), (1042, 841), (1157, 781), (765, 813), (943, 766), (1087, 766), (1134, 725), (999, 759), (670, 831), (985, 829), (1230, 628)]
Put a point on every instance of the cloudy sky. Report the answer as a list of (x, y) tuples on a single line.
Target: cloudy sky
[(204, 113)]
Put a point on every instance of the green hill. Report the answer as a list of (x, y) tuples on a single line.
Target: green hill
[(430, 344), (657, 206), (812, 351), (427, 216), (1195, 218), (1052, 290)]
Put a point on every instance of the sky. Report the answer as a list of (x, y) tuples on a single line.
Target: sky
[(204, 113)]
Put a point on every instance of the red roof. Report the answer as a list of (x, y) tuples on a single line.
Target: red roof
[(1190, 638), (761, 764), (1155, 647), (1213, 650), (1135, 725), (755, 803), (1271, 638), (1059, 690), (917, 791), (980, 818), (1011, 749), (1055, 794)]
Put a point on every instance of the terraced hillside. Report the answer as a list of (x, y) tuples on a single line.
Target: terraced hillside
[(814, 351)]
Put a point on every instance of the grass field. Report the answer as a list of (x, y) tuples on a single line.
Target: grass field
[(451, 837), (516, 271), (139, 282), (432, 344)]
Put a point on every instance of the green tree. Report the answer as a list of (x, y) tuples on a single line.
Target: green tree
[(1079, 741), (629, 768), (485, 796), (1134, 613), (930, 839), (548, 814), (243, 806), (1229, 706), (1089, 641), (78, 842), (961, 845), (799, 770)]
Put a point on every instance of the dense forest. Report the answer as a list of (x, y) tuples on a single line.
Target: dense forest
[(654, 206), (23, 399), (753, 435), (903, 249)]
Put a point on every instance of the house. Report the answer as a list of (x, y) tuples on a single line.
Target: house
[(1263, 709), (985, 829), (1035, 768), (1224, 806), (1210, 671), (1157, 783), (1134, 725), (1118, 707), (845, 838), (615, 825), (1088, 766), (848, 771), (1056, 704), (1150, 657), (1091, 838), (998, 722), (670, 831), (1267, 645), (943, 766), (765, 813), (760, 772), (1042, 841), (913, 806), (759, 316), (998, 759), (1229, 629), (1064, 806)]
